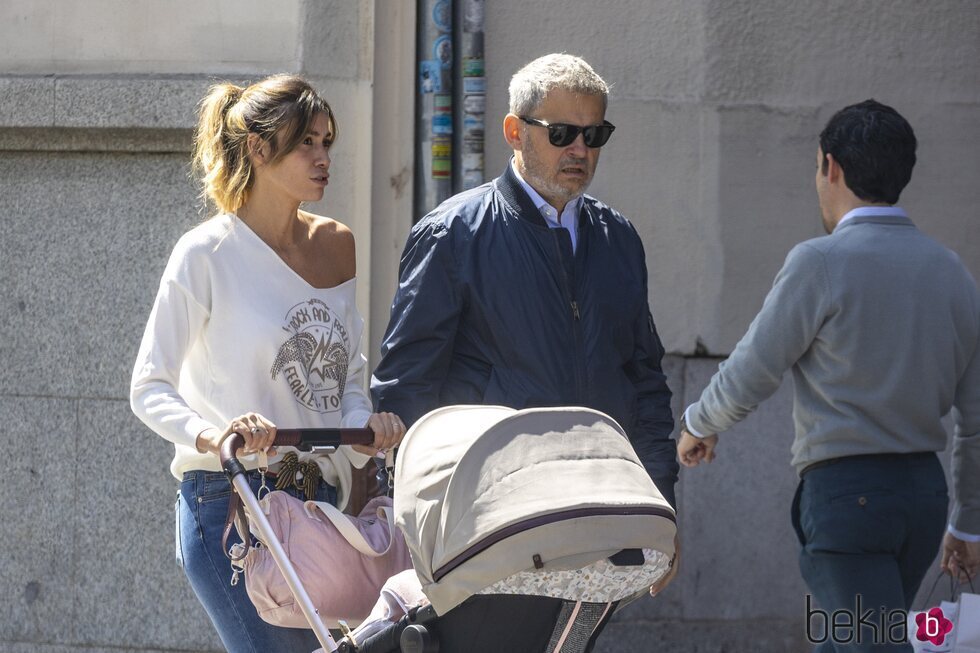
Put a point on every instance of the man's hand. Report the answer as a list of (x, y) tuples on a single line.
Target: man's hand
[(692, 450), (659, 586), (959, 555)]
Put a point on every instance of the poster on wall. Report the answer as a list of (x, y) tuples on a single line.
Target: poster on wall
[(442, 51), (430, 77), (473, 12), (442, 114), (442, 15), (442, 150)]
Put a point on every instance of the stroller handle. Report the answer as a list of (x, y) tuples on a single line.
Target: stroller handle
[(302, 439), (306, 439)]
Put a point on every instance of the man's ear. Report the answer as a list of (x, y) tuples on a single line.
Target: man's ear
[(512, 132), (834, 172), (258, 149)]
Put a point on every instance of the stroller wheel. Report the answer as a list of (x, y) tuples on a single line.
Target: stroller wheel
[(417, 639)]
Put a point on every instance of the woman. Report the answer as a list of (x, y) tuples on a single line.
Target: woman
[(255, 325)]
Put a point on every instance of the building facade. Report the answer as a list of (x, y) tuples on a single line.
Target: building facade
[(717, 105)]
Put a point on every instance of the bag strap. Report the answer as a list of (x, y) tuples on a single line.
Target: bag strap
[(384, 473), (969, 579), (236, 512), (954, 586), (350, 532), (237, 517)]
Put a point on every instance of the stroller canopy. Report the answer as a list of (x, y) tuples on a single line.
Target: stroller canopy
[(485, 492)]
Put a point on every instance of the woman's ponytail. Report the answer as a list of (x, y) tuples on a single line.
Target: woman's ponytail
[(220, 148)]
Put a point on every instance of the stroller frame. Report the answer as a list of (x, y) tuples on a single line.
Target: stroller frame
[(424, 631)]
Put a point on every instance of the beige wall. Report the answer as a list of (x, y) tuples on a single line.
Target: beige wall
[(136, 36), (718, 104)]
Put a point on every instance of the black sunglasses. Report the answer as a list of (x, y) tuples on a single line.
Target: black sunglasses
[(562, 135)]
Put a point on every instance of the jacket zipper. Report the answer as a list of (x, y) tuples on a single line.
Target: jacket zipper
[(544, 520), (576, 324)]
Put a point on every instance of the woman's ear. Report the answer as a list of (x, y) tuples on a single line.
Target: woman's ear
[(258, 149)]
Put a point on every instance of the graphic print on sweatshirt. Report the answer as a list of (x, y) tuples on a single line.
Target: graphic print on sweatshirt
[(313, 360)]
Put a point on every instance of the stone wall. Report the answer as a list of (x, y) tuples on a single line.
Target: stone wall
[(97, 104)]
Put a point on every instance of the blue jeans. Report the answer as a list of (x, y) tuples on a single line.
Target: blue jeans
[(870, 528), (202, 504)]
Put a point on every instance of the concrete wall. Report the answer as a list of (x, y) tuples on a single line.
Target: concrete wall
[(718, 105), (170, 37), (97, 101)]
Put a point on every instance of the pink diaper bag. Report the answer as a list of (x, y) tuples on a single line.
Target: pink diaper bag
[(342, 561)]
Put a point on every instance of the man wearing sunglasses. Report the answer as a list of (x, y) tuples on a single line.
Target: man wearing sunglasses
[(525, 291)]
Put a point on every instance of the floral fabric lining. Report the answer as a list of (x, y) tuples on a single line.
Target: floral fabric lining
[(600, 582)]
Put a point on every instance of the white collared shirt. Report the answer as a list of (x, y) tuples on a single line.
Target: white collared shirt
[(569, 215), (874, 211)]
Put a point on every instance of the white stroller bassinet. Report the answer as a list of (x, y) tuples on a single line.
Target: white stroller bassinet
[(526, 529)]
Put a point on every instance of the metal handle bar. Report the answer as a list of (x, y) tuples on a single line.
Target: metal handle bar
[(302, 439)]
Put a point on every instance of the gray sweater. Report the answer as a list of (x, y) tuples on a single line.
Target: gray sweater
[(880, 325)]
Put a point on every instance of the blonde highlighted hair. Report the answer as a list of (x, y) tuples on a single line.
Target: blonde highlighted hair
[(280, 110)]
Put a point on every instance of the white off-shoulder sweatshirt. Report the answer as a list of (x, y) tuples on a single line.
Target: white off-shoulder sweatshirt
[(234, 329)]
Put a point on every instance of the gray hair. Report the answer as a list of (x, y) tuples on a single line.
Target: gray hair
[(530, 84)]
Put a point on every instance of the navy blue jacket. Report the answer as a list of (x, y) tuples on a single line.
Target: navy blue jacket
[(492, 307)]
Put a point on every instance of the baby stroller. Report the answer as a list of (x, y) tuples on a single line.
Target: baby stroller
[(527, 529)]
